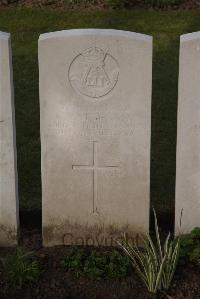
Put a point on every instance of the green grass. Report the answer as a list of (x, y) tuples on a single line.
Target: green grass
[(26, 25)]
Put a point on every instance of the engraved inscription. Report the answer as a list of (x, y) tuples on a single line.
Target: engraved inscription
[(95, 168), (94, 72), (94, 124)]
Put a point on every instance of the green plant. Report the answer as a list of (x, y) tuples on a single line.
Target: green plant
[(96, 265), (162, 3), (75, 2), (20, 268), (154, 263), (73, 260), (116, 4), (190, 246)]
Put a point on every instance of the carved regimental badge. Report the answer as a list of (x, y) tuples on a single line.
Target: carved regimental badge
[(94, 73)]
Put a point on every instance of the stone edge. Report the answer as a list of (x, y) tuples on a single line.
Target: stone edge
[(4, 35), (113, 32), (190, 36)]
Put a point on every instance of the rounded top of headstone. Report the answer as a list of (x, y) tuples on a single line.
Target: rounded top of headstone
[(4, 35), (113, 32), (190, 36)]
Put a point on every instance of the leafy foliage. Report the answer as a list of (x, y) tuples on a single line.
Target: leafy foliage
[(116, 4), (190, 246), (21, 268), (162, 3), (75, 2), (119, 4), (155, 264), (96, 265)]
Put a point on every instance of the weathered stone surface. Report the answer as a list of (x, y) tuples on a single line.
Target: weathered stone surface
[(8, 170), (95, 99), (188, 135)]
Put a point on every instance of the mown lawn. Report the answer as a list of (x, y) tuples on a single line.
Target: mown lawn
[(25, 26)]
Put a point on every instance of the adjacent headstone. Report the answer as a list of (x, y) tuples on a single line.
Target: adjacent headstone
[(8, 170), (188, 136), (95, 97)]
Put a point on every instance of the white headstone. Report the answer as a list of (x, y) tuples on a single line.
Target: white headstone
[(188, 135), (8, 170), (95, 97)]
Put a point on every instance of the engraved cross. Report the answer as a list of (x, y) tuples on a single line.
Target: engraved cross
[(95, 168)]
